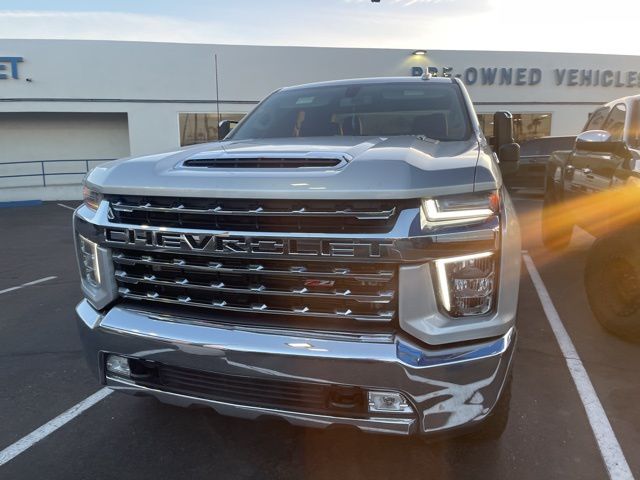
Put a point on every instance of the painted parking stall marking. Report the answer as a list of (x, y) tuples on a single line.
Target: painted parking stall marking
[(28, 284), (65, 206), (51, 426), (610, 449)]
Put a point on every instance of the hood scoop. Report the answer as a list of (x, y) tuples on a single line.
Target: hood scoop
[(229, 160)]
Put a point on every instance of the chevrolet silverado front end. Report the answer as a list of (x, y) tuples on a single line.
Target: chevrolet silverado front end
[(348, 255)]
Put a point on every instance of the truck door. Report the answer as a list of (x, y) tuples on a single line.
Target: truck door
[(629, 168), (623, 210), (598, 169), (579, 168), (601, 173)]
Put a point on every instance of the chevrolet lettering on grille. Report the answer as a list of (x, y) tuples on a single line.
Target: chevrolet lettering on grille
[(227, 244)]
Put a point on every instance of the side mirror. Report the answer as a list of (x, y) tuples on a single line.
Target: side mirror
[(506, 149), (502, 129), (600, 141), (224, 127), (509, 156), (509, 153)]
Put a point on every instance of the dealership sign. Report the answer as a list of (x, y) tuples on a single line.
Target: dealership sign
[(569, 77), (9, 67)]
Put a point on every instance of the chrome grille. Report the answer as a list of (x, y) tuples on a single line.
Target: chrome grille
[(360, 292), (250, 215)]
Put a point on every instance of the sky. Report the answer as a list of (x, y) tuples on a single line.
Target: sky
[(586, 26)]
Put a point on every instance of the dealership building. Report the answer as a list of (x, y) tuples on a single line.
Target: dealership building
[(67, 106)]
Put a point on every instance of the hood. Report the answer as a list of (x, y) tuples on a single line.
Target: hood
[(369, 168)]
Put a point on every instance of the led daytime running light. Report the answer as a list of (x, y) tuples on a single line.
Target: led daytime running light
[(435, 215), (462, 208), (93, 256), (441, 269)]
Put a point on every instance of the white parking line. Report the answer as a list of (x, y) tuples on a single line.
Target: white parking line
[(610, 449), (34, 437), (28, 284), (66, 206)]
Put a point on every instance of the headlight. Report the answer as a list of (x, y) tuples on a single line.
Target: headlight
[(465, 208), (88, 260), (91, 198), (467, 284), (96, 272)]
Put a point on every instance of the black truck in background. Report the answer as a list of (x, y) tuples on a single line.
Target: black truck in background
[(596, 186), (534, 156)]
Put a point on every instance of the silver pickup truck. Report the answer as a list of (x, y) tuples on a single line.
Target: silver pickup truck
[(346, 255)]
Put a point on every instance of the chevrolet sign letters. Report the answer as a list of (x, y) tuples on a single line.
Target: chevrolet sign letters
[(10, 65), (225, 244)]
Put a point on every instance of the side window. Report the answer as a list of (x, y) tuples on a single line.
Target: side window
[(615, 122), (596, 119), (634, 126), (196, 127)]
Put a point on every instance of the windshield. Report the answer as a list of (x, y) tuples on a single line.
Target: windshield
[(434, 110)]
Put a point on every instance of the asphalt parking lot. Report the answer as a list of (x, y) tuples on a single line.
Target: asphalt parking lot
[(42, 374)]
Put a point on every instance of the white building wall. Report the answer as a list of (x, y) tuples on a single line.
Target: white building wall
[(62, 136), (56, 148)]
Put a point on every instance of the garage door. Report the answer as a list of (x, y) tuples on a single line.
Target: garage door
[(57, 148)]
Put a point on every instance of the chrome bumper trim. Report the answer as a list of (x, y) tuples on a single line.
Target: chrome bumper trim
[(448, 387)]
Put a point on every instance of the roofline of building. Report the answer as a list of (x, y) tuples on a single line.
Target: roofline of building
[(328, 47)]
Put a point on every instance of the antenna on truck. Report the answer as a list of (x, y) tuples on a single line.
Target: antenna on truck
[(215, 61)]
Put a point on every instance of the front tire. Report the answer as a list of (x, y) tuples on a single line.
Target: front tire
[(612, 283)]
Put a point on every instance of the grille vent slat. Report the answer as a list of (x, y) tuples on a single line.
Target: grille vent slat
[(380, 297), (219, 304), (256, 215), (120, 206), (278, 268)]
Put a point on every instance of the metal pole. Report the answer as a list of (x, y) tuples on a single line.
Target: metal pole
[(215, 58), (44, 179)]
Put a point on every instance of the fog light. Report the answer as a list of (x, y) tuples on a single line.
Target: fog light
[(388, 402), (118, 365)]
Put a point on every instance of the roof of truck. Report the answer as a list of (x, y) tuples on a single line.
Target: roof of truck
[(373, 80), (628, 99)]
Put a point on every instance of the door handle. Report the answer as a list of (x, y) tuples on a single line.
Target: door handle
[(588, 173)]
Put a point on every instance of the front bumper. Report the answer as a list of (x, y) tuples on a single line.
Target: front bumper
[(447, 387)]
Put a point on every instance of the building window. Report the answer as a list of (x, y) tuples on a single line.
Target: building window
[(525, 125), (202, 127)]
